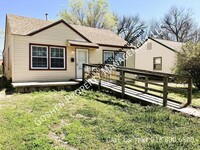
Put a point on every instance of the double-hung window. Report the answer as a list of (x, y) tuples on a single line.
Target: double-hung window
[(157, 63), (119, 57), (57, 58), (39, 57), (47, 57), (108, 57), (111, 57)]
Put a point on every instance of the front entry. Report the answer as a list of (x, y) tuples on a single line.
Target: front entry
[(81, 58)]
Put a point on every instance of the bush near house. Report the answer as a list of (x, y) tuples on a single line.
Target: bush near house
[(188, 62)]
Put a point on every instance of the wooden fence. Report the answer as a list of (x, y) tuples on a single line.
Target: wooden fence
[(127, 78)]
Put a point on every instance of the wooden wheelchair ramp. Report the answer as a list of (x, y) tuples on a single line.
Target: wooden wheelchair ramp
[(119, 79)]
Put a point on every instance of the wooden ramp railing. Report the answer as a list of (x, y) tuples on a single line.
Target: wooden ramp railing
[(132, 78)]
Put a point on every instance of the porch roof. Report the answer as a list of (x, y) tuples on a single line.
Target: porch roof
[(82, 44)]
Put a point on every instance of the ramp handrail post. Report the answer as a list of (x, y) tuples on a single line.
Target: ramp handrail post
[(189, 100), (146, 84), (165, 91), (99, 79), (83, 73), (123, 83)]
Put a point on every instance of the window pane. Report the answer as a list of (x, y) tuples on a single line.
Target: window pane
[(157, 60), (39, 62), (39, 51), (57, 52), (157, 63), (57, 57), (57, 63), (157, 67), (108, 57), (119, 58), (39, 57)]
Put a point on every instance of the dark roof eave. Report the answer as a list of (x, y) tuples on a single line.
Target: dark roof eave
[(163, 45), (84, 46), (55, 23), (116, 46)]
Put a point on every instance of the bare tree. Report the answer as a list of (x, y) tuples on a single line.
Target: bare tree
[(179, 25), (129, 26)]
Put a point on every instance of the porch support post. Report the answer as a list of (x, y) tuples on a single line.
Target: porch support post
[(99, 79), (146, 84), (123, 83)]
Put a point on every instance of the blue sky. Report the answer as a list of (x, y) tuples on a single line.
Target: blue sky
[(148, 10)]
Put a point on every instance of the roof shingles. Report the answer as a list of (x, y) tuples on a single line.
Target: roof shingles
[(24, 26)]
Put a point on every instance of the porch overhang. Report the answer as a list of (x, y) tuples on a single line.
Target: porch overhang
[(82, 44)]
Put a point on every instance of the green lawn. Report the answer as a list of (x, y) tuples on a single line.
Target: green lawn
[(178, 94), (92, 121)]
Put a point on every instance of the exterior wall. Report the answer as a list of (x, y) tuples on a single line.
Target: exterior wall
[(144, 57), (96, 56), (7, 54), (57, 35)]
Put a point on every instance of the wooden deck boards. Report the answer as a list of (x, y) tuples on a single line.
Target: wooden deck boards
[(149, 98)]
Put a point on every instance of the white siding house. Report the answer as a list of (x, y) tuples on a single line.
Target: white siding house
[(41, 50), (157, 55)]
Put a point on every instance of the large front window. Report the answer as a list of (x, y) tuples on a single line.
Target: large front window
[(57, 58), (111, 57), (39, 57), (47, 57)]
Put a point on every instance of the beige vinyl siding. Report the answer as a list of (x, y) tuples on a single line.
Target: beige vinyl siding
[(57, 35), (144, 57), (8, 55), (96, 56)]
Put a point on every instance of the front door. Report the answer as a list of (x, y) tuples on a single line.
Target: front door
[(81, 58)]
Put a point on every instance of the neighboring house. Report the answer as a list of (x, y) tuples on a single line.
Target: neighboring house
[(41, 50), (157, 55)]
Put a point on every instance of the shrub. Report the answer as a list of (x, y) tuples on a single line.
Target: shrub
[(4, 83), (188, 62), (1, 72)]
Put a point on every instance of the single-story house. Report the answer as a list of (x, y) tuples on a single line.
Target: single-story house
[(42, 50), (157, 55)]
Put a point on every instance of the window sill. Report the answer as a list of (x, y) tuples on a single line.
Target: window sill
[(48, 69)]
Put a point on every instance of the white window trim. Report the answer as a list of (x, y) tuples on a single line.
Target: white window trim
[(42, 68), (55, 68), (154, 63)]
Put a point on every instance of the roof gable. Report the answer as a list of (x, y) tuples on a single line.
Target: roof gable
[(171, 45), (56, 23), (30, 26)]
